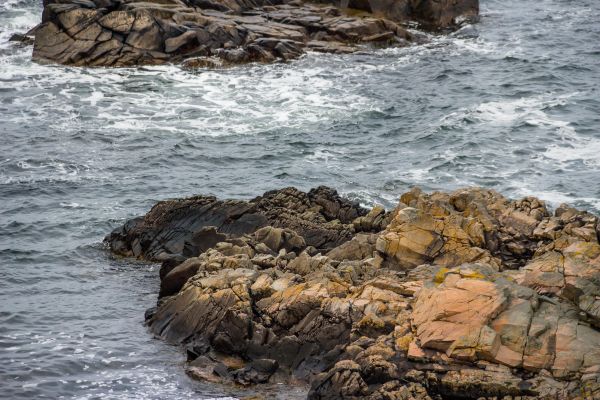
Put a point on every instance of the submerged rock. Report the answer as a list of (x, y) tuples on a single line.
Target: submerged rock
[(22, 39), (206, 33), (451, 295)]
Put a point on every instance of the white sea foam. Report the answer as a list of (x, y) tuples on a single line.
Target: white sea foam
[(459, 44), (70, 205), (575, 148), (213, 103), (94, 97), (417, 174), (556, 198), (320, 155), (475, 45), (531, 110), (563, 144)]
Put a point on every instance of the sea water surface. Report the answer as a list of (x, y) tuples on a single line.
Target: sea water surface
[(511, 103)]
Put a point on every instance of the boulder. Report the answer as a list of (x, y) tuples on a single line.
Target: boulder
[(22, 39), (360, 247), (472, 225)]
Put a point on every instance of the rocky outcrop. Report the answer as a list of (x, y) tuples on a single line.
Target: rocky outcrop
[(451, 295), (207, 33), (465, 226), (184, 228)]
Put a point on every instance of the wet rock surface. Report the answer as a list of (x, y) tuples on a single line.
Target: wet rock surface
[(450, 295), (207, 33)]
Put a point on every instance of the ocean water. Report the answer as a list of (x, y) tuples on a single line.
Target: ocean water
[(511, 103)]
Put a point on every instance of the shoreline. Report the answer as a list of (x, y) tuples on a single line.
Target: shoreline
[(309, 287)]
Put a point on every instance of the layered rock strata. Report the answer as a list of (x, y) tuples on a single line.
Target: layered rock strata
[(450, 295), (209, 33)]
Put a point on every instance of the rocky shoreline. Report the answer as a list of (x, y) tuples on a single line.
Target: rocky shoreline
[(211, 33), (450, 295)]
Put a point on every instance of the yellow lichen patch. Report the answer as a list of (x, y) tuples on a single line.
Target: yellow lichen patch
[(403, 342), (470, 274), (584, 250), (371, 321), (440, 276)]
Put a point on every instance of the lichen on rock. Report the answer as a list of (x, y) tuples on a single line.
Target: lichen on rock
[(450, 295)]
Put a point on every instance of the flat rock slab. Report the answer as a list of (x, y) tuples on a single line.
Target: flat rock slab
[(196, 32)]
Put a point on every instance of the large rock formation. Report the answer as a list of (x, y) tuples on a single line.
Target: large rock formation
[(220, 32), (451, 295), (190, 226)]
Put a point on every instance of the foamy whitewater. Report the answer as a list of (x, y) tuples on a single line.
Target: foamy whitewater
[(511, 103)]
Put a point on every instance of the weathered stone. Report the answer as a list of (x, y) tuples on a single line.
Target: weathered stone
[(51, 43), (343, 381), (433, 14), (399, 314), (172, 282), (118, 21), (185, 40), (25, 40), (156, 32), (360, 247), (145, 33), (454, 314), (169, 228)]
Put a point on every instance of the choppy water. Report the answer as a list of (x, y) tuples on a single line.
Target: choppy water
[(512, 103)]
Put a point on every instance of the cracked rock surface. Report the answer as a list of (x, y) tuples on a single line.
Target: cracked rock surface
[(450, 295), (213, 33)]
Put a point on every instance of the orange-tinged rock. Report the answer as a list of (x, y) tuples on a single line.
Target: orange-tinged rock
[(509, 357), (453, 314), (415, 352), (484, 329)]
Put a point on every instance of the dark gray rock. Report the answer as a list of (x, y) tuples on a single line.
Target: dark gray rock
[(25, 40), (218, 34), (190, 226)]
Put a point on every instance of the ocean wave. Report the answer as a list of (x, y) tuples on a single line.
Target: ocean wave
[(532, 110), (575, 149), (212, 103), (556, 198)]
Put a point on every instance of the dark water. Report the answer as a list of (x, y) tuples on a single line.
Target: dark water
[(512, 103)]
